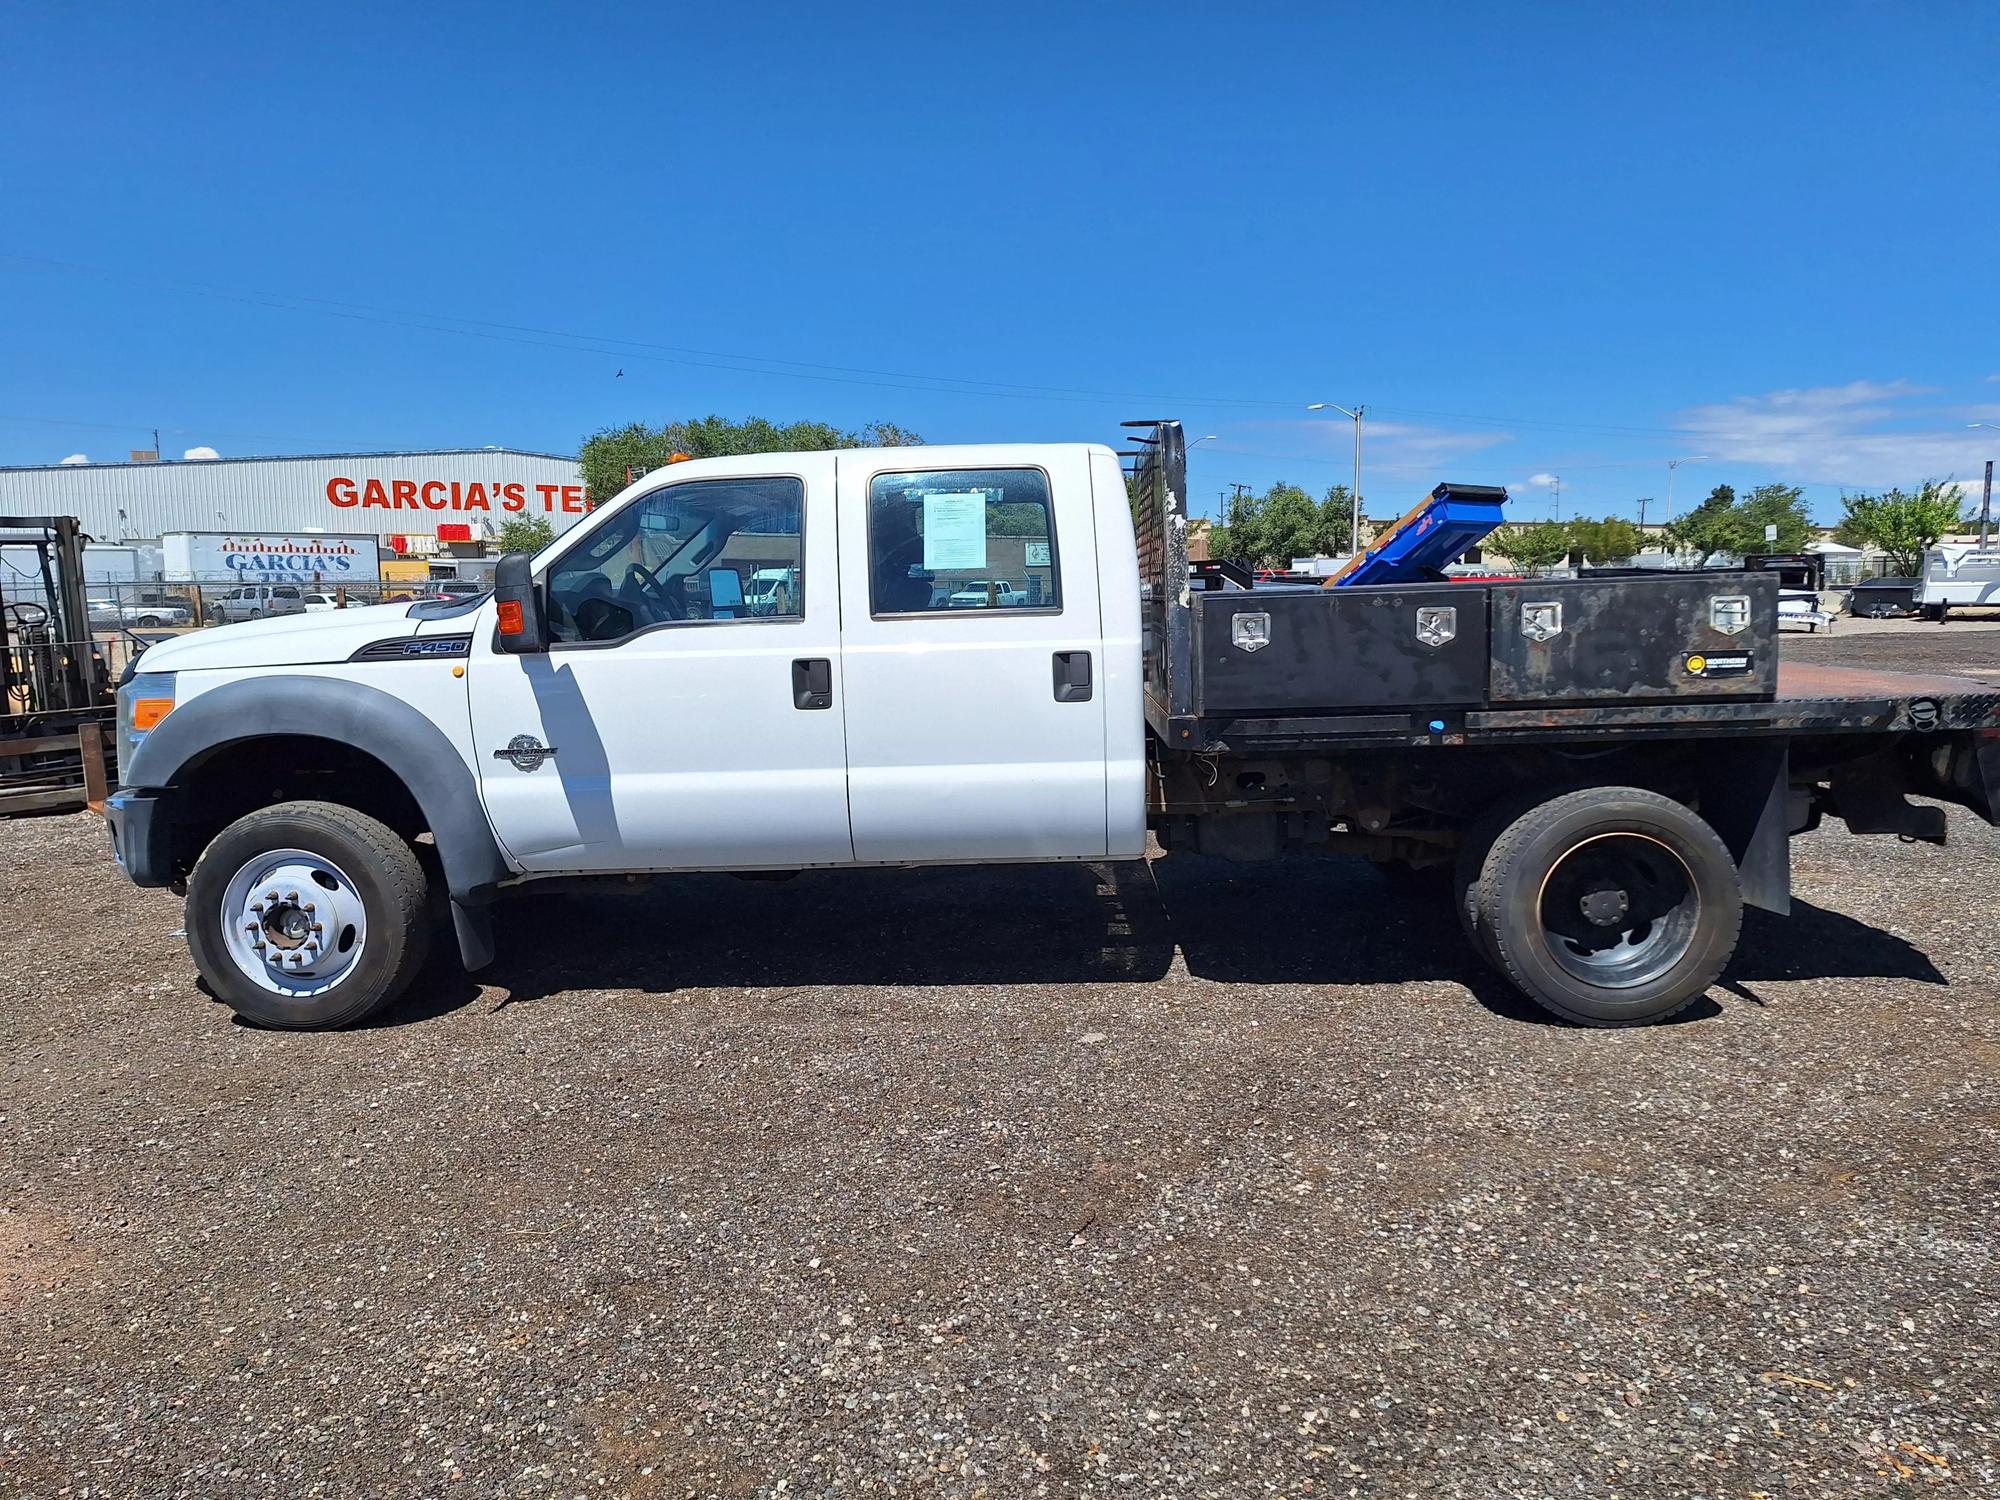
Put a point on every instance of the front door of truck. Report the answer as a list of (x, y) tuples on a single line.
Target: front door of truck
[(973, 658), (682, 719)]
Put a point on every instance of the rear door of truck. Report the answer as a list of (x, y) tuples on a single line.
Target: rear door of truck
[(972, 654)]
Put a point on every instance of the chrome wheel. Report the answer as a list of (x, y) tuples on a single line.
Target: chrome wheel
[(293, 922)]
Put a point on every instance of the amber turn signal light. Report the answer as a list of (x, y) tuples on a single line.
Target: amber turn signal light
[(511, 622), (146, 712)]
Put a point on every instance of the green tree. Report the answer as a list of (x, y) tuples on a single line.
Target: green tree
[(1530, 545), (1904, 527), (613, 456), (1269, 530), (1779, 505), (1708, 528), (1612, 539), (526, 534)]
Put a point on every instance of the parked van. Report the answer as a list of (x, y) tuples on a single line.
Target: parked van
[(253, 601)]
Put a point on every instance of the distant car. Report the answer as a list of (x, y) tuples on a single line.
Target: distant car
[(980, 594), (146, 612), (319, 604), (254, 601)]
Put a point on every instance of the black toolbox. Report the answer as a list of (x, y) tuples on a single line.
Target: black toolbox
[(1636, 638)]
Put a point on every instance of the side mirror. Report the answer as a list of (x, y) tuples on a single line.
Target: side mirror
[(523, 626)]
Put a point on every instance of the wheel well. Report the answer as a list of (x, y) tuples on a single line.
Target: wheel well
[(239, 778)]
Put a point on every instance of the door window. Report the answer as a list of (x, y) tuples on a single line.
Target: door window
[(704, 551), (961, 540)]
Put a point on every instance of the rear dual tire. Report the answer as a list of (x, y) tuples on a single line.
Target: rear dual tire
[(1608, 906)]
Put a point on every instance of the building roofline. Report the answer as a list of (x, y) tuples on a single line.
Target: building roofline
[(285, 458)]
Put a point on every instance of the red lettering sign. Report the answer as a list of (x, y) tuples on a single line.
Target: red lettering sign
[(454, 495)]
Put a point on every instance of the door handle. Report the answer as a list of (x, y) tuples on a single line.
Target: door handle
[(812, 682), (1072, 676)]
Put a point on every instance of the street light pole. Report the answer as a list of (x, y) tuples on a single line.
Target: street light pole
[(1673, 464), (1354, 495)]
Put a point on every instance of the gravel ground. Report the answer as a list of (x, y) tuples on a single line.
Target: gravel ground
[(1009, 1183)]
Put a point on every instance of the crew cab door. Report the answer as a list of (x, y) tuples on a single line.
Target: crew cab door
[(975, 716), (678, 721)]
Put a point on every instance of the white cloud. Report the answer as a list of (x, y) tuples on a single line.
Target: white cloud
[(1866, 433), (77, 458), (1399, 454), (1541, 481), (195, 454)]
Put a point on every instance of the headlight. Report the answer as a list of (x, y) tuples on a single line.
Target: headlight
[(143, 700)]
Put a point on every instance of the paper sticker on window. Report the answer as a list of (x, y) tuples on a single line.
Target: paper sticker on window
[(954, 531), (1037, 555)]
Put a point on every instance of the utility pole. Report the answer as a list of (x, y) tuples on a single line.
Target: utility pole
[(1556, 485), (1986, 509), (1241, 490), (1644, 501), (1986, 503)]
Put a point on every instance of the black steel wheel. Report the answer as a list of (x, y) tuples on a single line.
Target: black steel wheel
[(1610, 906)]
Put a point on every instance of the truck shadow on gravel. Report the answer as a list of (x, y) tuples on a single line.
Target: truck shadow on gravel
[(1312, 921)]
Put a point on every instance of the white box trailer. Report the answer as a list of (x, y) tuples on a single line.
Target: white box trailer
[(1958, 574), (242, 557)]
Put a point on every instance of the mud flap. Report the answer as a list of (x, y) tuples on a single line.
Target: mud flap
[(1745, 797)]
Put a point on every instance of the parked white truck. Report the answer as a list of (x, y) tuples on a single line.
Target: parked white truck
[(1610, 768)]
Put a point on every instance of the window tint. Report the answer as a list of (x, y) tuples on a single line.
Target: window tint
[(711, 549), (961, 539)]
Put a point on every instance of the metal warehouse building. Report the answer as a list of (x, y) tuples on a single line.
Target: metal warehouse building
[(386, 494)]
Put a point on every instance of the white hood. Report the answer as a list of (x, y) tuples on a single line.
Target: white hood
[(292, 640)]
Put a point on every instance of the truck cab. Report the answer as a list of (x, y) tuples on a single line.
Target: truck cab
[(765, 663)]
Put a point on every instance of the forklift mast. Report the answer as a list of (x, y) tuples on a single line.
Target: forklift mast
[(49, 659)]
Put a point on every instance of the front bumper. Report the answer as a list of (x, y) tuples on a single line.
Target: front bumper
[(138, 835)]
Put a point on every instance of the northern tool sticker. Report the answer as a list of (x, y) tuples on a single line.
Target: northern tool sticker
[(1712, 664)]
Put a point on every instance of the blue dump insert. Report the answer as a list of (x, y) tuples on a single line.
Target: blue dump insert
[(1437, 532)]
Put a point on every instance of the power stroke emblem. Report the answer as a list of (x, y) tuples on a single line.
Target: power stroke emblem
[(525, 753), (1437, 623), (1543, 621)]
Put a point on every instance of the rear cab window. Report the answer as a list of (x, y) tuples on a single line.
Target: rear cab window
[(958, 541)]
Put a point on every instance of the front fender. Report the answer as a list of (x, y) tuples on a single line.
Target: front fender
[(331, 708)]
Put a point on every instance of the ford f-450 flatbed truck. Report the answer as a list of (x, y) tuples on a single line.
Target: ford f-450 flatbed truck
[(991, 654)]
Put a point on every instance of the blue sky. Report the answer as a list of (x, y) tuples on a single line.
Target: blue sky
[(1534, 240)]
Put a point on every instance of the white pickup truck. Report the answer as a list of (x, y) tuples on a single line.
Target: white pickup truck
[(623, 704)]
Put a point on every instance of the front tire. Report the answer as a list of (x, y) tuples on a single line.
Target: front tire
[(1610, 906), (307, 916)]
